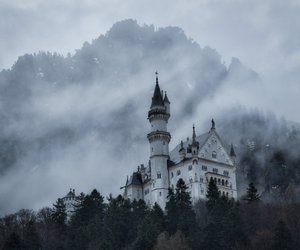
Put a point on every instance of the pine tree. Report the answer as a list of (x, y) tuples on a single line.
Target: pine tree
[(213, 195), (185, 213), (282, 239), (171, 210), (117, 224), (59, 214), (59, 217), (86, 225), (252, 194)]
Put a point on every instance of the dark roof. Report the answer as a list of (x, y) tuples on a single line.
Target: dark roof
[(135, 179), (157, 99), (232, 153), (71, 193), (166, 100), (170, 163), (174, 154)]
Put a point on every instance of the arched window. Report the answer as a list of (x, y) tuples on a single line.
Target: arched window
[(158, 175), (223, 182), (226, 183), (219, 181), (195, 162)]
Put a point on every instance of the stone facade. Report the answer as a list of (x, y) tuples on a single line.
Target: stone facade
[(196, 161)]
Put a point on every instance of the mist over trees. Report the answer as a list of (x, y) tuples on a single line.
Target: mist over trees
[(117, 223), (64, 119)]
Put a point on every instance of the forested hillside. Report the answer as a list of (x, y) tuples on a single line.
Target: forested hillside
[(117, 223)]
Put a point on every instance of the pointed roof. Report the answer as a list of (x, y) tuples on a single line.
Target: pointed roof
[(157, 99), (194, 134), (232, 153), (166, 100)]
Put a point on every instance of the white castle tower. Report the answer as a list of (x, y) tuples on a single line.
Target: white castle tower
[(196, 161), (159, 139)]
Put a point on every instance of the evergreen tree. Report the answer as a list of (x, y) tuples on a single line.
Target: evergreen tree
[(252, 194), (149, 229), (282, 239), (171, 210), (117, 224), (59, 214), (86, 225), (185, 213), (213, 195)]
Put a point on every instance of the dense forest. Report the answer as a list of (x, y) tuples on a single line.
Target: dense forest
[(118, 223)]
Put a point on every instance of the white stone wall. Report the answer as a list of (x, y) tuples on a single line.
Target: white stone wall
[(159, 147), (197, 177), (134, 192), (159, 125)]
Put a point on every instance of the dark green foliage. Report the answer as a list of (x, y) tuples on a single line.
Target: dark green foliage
[(86, 225), (180, 215), (149, 229), (171, 210), (59, 214), (213, 195), (118, 225), (13, 242), (225, 227), (282, 239), (252, 194), (125, 224)]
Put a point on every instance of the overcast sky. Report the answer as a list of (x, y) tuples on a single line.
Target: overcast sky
[(264, 35)]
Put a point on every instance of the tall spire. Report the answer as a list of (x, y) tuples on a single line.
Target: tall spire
[(157, 99), (232, 153), (194, 134), (194, 142)]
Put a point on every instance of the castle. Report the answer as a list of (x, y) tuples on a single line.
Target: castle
[(196, 161)]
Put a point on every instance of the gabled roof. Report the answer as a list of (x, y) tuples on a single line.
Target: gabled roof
[(174, 154), (201, 139)]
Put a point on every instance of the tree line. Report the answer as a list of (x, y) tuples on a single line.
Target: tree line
[(216, 223)]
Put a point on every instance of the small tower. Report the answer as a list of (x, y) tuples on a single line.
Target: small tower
[(181, 151), (159, 139), (195, 144), (232, 153)]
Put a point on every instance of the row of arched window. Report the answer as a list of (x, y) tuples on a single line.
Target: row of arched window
[(220, 181)]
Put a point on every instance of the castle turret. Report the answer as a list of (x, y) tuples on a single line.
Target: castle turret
[(159, 139), (232, 153)]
